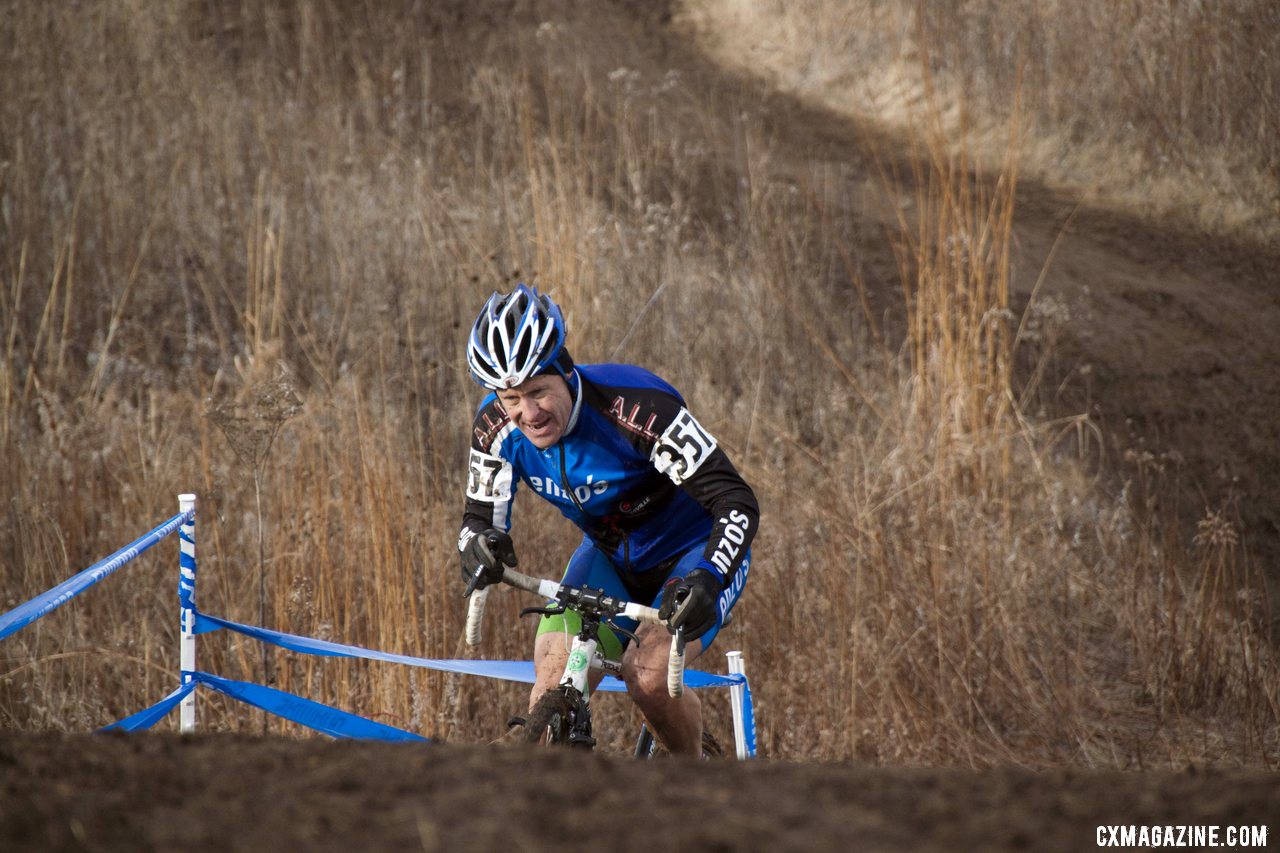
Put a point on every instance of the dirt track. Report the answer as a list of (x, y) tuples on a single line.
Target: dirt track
[(97, 792)]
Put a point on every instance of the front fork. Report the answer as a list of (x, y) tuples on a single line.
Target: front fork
[(577, 686)]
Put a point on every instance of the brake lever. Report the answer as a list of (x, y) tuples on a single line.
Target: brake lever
[(543, 611), (471, 584), (615, 626)]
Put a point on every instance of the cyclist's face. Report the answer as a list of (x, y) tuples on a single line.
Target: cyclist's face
[(539, 408)]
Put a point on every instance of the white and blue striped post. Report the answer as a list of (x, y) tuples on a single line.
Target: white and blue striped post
[(736, 692), (187, 603)]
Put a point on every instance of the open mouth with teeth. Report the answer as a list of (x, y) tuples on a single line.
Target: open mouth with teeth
[(539, 430)]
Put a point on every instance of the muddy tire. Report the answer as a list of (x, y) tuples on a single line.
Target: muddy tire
[(551, 720), (710, 746)]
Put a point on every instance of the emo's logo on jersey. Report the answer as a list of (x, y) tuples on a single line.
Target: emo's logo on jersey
[(683, 448), (583, 493)]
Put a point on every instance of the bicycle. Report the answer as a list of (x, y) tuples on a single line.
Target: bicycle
[(563, 715)]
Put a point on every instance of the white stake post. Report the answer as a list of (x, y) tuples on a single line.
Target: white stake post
[(187, 614), (736, 692)]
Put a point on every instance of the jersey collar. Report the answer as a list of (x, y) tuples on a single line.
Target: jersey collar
[(575, 387)]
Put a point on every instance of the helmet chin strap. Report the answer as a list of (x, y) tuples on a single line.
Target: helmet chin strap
[(574, 381), (575, 385)]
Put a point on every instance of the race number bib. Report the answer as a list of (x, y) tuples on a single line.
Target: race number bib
[(489, 478), (683, 448)]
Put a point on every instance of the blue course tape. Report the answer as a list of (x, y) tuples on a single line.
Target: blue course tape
[(506, 670), (148, 717), (41, 605), (314, 715), (748, 720)]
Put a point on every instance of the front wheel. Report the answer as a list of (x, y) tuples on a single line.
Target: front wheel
[(561, 716)]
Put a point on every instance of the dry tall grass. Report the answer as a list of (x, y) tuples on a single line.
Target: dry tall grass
[(201, 202)]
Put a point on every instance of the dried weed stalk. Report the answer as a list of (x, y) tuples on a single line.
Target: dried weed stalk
[(251, 427)]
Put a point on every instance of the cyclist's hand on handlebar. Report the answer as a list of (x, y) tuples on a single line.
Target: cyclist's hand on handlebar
[(487, 552), (690, 602)]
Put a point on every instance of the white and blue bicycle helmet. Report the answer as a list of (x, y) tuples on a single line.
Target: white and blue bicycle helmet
[(517, 335)]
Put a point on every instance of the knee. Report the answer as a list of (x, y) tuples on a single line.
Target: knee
[(644, 682)]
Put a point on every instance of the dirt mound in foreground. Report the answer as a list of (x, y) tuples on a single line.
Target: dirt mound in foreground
[(224, 792)]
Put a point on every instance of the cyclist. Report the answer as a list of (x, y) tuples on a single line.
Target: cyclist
[(667, 518)]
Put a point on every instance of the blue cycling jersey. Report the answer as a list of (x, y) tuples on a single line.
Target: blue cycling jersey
[(634, 470)]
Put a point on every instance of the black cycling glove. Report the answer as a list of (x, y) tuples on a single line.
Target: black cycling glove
[(488, 551), (690, 602)]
